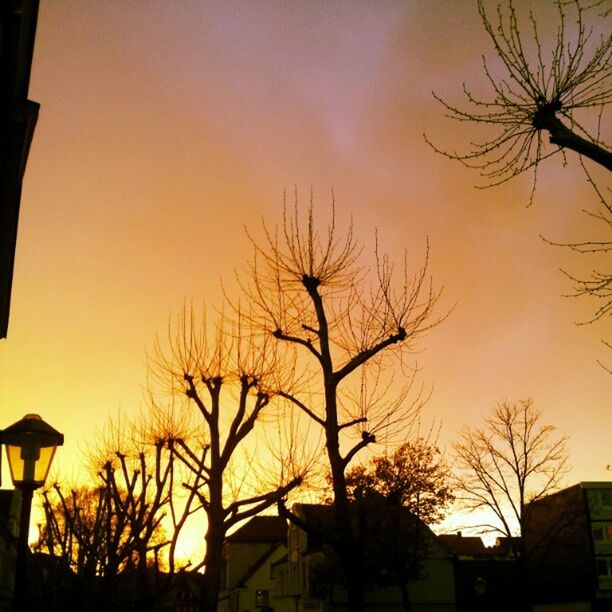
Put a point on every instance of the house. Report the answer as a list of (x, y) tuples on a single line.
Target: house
[(176, 593), (250, 557), (485, 576), (569, 541), (312, 579), (465, 547), (271, 565)]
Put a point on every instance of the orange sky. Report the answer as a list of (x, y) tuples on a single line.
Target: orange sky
[(165, 127)]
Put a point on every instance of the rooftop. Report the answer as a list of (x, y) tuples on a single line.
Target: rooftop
[(261, 529), (464, 545)]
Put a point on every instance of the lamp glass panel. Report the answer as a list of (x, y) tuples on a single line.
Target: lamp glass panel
[(29, 464)]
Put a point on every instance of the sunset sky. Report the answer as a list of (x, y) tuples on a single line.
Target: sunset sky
[(167, 127)]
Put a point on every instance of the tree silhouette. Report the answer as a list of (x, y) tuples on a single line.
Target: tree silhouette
[(109, 536), (504, 466), (539, 93), (562, 93), (224, 373), (309, 293), (398, 494), (414, 476)]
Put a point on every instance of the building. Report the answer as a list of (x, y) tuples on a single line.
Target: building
[(274, 566), (250, 557), (569, 545), (465, 547), (485, 576), (18, 117)]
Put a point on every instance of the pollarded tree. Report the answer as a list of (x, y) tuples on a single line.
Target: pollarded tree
[(311, 295), (501, 468), (561, 92), (224, 374), (540, 92), (108, 538)]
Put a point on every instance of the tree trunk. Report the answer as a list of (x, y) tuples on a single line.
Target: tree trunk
[(353, 572), (524, 590), (215, 534), (347, 547), (213, 562), (403, 585), (406, 603)]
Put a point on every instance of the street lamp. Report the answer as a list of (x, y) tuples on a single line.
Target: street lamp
[(30, 446)]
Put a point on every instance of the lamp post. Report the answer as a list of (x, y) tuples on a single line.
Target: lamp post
[(30, 447)]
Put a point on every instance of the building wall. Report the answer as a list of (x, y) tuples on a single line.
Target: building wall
[(301, 588), (241, 557), (575, 562), (598, 498), (436, 590)]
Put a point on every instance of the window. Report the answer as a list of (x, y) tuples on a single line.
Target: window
[(602, 532), (606, 497), (262, 599), (603, 565)]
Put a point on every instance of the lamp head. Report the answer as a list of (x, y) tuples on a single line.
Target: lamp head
[(30, 447)]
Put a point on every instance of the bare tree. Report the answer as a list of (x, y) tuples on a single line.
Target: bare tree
[(223, 373), (598, 285), (556, 92), (110, 535), (539, 93), (503, 467), (341, 324)]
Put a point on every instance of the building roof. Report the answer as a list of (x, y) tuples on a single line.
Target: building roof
[(242, 582), (261, 529), (601, 484), (320, 526), (464, 545)]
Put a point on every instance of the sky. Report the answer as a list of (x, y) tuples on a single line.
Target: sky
[(166, 128)]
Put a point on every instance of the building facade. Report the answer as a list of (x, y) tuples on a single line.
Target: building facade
[(263, 573), (250, 556), (569, 541)]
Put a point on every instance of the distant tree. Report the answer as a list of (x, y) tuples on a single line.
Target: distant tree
[(226, 374), (309, 294), (501, 468), (414, 476), (398, 494)]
